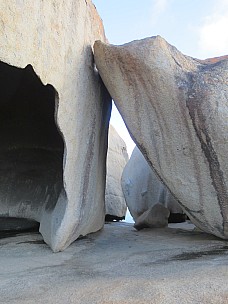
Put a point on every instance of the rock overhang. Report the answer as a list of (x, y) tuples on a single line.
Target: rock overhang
[(154, 87), (56, 40)]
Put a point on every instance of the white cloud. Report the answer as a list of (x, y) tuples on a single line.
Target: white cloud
[(213, 34), (158, 7)]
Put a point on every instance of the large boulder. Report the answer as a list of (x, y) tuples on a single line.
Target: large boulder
[(149, 201), (54, 113), (117, 158), (176, 110)]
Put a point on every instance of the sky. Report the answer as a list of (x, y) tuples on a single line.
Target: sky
[(198, 28)]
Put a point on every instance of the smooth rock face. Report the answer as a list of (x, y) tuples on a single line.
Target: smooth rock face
[(149, 201), (117, 158), (176, 110), (158, 266), (54, 118)]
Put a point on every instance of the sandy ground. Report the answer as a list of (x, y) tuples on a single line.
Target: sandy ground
[(116, 265)]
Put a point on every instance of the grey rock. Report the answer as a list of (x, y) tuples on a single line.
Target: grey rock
[(175, 108), (149, 201), (155, 217), (117, 265), (54, 118)]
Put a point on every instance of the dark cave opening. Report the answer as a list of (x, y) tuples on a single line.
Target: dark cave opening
[(31, 149)]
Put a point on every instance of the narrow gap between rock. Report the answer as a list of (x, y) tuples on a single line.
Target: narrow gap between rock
[(118, 123)]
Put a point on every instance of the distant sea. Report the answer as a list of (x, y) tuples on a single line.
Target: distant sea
[(128, 217)]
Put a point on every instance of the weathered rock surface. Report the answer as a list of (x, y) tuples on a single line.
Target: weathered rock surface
[(176, 110), (155, 217), (149, 201), (159, 266), (53, 126), (117, 158)]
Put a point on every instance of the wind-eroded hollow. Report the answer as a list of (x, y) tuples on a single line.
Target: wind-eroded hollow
[(31, 147)]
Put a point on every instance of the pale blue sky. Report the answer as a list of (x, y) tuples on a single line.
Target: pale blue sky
[(181, 22), (198, 28)]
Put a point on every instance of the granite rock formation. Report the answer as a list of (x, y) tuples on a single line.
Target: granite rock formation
[(176, 110), (117, 158), (54, 118), (149, 201)]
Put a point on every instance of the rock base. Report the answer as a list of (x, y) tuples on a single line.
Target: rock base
[(117, 265)]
